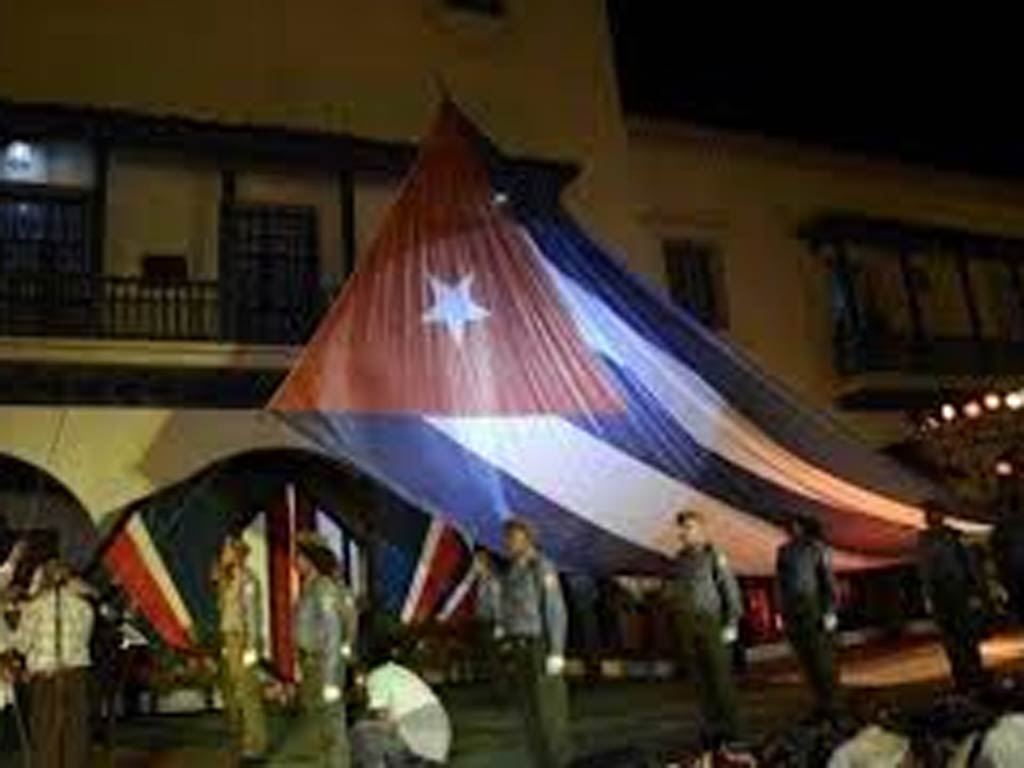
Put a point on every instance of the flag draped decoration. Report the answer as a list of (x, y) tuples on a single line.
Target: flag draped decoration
[(162, 553), (487, 359)]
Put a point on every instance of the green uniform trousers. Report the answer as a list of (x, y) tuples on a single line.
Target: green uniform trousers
[(815, 652), (319, 733), (708, 660), (543, 700), (243, 699), (961, 640)]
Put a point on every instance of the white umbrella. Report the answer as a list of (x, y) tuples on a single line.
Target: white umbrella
[(427, 733)]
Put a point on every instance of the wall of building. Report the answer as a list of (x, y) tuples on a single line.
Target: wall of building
[(750, 197), (161, 204), (167, 204), (153, 449), (540, 80)]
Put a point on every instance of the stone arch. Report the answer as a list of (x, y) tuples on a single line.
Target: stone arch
[(33, 500)]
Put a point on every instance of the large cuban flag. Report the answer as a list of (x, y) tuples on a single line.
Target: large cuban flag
[(488, 359)]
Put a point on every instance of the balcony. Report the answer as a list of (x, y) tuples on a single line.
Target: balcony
[(35, 304), (922, 300)]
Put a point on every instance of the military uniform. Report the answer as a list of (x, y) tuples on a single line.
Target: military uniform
[(952, 585), (488, 626), (534, 625), (1008, 553), (241, 628), (708, 606), (325, 634), (808, 602)]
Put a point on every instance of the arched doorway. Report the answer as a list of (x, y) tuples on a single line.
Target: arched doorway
[(401, 563), (35, 506)]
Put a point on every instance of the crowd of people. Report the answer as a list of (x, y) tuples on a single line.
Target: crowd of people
[(353, 702)]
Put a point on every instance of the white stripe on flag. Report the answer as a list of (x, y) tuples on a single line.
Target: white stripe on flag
[(458, 595), (153, 560), (355, 568), (412, 600), (711, 421), (614, 491), (331, 531), (255, 536)]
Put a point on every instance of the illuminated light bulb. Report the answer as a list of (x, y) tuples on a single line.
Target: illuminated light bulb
[(993, 401), (18, 153), (500, 198), (1004, 468), (1014, 401), (972, 410), (948, 412)]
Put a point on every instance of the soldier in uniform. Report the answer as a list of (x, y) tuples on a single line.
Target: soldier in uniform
[(534, 625), (1008, 553), (708, 608), (952, 586), (488, 614), (325, 636), (241, 627), (808, 599)]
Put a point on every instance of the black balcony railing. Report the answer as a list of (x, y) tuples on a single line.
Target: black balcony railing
[(908, 298), (87, 306)]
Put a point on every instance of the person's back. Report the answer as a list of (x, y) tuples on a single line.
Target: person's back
[(953, 585), (1008, 553), (942, 558), (798, 570)]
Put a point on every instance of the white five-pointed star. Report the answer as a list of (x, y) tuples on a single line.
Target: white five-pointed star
[(454, 306)]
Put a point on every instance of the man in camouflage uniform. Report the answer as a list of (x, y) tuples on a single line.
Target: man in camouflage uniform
[(534, 625), (952, 585), (325, 636), (808, 600), (708, 607), (241, 629)]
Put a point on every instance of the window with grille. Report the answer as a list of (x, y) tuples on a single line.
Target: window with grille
[(694, 271), (39, 234), (46, 280), (270, 272)]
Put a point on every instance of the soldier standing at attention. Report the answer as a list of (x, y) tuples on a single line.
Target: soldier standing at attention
[(708, 608), (241, 629), (808, 600), (1008, 552), (488, 616), (325, 636), (534, 626), (952, 585)]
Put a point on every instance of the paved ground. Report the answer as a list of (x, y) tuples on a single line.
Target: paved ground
[(660, 716)]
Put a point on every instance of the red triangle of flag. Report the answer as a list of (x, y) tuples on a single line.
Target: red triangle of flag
[(450, 311)]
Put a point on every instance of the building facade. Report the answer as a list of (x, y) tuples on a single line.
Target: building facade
[(184, 187)]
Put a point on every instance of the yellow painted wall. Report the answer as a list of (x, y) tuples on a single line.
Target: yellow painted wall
[(161, 204), (372, 200), (541, 80), (110, 457), (751, 196)]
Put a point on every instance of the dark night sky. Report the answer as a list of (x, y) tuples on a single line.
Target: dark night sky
[(952, 100)]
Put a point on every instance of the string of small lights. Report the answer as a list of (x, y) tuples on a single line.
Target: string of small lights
[(982, 435)]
